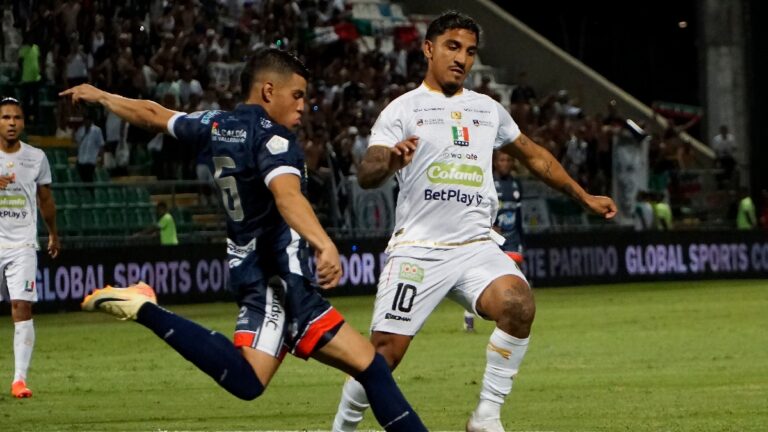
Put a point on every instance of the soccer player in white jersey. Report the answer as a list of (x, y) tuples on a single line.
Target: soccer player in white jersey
[(438, 140), (25, 185)]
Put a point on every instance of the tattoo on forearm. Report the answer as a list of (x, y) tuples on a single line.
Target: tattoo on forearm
[(375, 167)]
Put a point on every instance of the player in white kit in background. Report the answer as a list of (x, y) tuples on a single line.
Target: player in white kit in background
[(438, 140), (25, 185)]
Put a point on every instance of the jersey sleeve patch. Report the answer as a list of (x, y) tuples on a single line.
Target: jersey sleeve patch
[(277, 145)]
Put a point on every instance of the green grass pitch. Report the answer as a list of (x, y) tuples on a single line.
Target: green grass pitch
[(687, 356)]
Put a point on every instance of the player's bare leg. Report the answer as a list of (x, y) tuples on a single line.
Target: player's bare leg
[(264, 365), (23, 344), (353, 354), (508, 300)]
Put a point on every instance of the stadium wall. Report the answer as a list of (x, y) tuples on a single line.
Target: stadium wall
[(198, 273)]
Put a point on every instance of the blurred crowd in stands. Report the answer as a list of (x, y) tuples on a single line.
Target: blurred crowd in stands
[(187, 54)]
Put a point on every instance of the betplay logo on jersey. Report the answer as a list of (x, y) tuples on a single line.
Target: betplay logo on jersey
[(460, 136), (458, 174)]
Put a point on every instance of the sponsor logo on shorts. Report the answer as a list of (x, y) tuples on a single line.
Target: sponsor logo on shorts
[(448, 173), (390, 316), (275, 312), (13, 201), (242, 319), (411, 272), (29, 286)]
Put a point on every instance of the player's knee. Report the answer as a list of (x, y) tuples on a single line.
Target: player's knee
[(391, 348), (248, 390), (518, 306), (250, 394)]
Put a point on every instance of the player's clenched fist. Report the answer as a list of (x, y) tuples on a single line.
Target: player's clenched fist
[(328, 267), (402, 152), (601, 205), (5, 180)]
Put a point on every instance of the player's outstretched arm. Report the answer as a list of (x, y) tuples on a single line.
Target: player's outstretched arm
[(138, 112), (298, 214), (48, 210), (380, 162), (541, 163)]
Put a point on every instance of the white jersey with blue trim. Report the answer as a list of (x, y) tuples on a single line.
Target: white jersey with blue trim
[(447, 196), (18, 201)]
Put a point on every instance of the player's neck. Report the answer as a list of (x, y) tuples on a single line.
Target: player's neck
[(10, 146), (433, 85)]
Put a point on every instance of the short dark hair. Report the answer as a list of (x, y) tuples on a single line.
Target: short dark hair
[(450, 20), (7, 100), (271, 59)]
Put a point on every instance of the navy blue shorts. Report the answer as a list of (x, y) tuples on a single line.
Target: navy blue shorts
[(285, 315)]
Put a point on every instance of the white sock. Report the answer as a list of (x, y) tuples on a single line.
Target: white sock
[(353, 404), (23, 344), (503, 355)]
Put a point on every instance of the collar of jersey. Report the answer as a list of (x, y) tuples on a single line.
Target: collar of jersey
[(252, 107), (433, 90)]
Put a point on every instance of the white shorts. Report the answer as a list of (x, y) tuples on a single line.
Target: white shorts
[(18, 272), (415, 280)]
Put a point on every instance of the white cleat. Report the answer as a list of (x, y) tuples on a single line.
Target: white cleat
[(124, 303), (489, 425)]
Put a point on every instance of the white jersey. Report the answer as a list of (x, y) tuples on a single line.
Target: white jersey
[(447, 196), (18, 201)]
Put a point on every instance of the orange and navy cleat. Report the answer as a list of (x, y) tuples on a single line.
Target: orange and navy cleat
[(20, 390), (124, 303)]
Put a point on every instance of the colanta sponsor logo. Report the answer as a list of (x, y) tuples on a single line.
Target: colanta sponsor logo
[(458, 174), (13, 201)]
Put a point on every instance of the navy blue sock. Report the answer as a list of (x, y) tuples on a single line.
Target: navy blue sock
[(389, 406), (211, 352)]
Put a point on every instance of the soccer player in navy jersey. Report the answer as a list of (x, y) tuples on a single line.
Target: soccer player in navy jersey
[(258, 166)]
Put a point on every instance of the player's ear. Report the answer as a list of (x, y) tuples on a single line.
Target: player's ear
[(427, 48), (267, 91)]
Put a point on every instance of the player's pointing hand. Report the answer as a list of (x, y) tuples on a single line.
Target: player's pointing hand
[(84, 93)]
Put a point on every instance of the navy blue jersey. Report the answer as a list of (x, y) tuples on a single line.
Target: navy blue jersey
[(509, 219), (245, 149)]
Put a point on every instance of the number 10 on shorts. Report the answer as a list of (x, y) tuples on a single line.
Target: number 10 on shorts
[(404, 297)]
